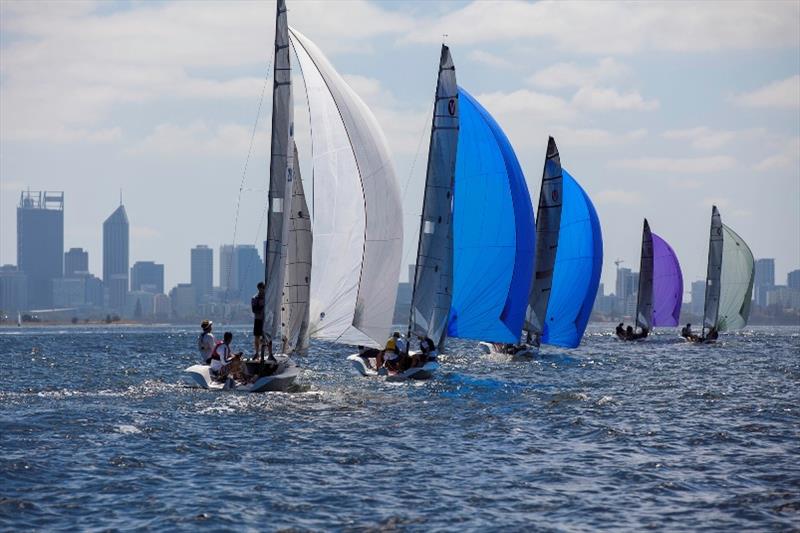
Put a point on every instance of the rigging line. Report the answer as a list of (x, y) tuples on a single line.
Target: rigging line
[(244, 176)]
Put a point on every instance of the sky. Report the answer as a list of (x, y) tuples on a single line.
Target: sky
[(659, 109)]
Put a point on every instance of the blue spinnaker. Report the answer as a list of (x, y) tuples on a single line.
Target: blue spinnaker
[(493, 232), (576, 275)]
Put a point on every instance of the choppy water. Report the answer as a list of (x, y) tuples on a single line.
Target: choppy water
[(99, 433)]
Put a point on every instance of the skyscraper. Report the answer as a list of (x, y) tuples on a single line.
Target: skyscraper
[(764, 280), (202, 266), (698, 297), (147, 276), (13, 289), (40, 243), (227, 268), (793, 279), (115, 257), (75, 260), (249, 270)]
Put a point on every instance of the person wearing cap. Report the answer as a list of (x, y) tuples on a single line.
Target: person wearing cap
[(390, 355), (257, 306), (206, 342)]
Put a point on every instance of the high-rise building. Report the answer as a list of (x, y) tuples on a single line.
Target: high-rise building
[(13, 289), (183, 302), (625, 285), (764, 280), (793, 279), (40, 243), (115, 257), (202, 265), (227, 268), (698, 297), (249, 270), (147, 276), (76, 260)]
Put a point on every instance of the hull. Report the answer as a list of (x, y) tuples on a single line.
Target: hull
[(525, 353), (199, 376), (425, 371)]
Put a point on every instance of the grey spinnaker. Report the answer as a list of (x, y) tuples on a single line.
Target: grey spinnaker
[(433, 273)]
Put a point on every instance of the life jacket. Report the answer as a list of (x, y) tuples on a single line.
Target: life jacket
[(214, 353), (257, 303)]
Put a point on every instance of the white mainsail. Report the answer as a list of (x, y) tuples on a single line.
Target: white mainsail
[(433, 274), (736, 283), (548, 224), (644, 302), (280, 176), (357, 216), (294, 313)]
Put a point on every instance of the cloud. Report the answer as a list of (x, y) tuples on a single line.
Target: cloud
[(199, 138), (619, 27), (678, 165), (783, 94), (597, 137), (705, 138), (491, 60), (598, 99), (714, 200), (571, 75), (533, 104), (617, 197), (787, 157)]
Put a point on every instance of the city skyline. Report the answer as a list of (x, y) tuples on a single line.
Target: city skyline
[(663, 126)]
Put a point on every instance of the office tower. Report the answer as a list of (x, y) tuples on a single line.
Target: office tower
[(698, 297), (249, 270), (115, 257), (13, 289), (147, 276), (793, 279), (76, 260), (40, 243), (202, 266), (764, 280), (227, 268)]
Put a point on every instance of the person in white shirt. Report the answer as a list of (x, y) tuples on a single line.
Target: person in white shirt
[(206, 342), (224, 362)]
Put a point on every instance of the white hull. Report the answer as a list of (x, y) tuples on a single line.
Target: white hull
[(425, 371), (528, 352), (200, 377)]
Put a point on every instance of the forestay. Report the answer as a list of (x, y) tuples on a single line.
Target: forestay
[(294, 313), (548, 221), (667, 284), (493, 231), (433, 275), (577, 268), (357, 216), (280, 175), (736, 283), (644, 299)]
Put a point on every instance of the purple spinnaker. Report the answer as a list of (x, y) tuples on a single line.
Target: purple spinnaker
[(667, 284)]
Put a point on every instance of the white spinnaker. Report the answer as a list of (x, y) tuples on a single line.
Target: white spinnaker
[(294, 313), (358, 219), (736, 284)]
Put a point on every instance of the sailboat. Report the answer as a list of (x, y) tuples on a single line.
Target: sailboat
[(285, 308), (494, 237), (729, 282), (433, 272), (660, 291), (568, 263)]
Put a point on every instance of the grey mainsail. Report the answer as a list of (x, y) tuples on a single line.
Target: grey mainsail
[(713, 277), (294, 312), (433, 274), (280, 175), (548, 223), (644, 300)]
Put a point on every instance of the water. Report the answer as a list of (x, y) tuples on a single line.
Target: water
[(99, 433)]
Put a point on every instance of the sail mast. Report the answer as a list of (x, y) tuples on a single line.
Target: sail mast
[(280, 175), (431, 293), (548, 222)]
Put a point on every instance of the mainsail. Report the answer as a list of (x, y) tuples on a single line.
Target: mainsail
[(357, 215), (433, 274), (294, 313), (280, 176), (548, 222), (493, 231), (667, 284), (714, 272), (576, 275), (644, 299)]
